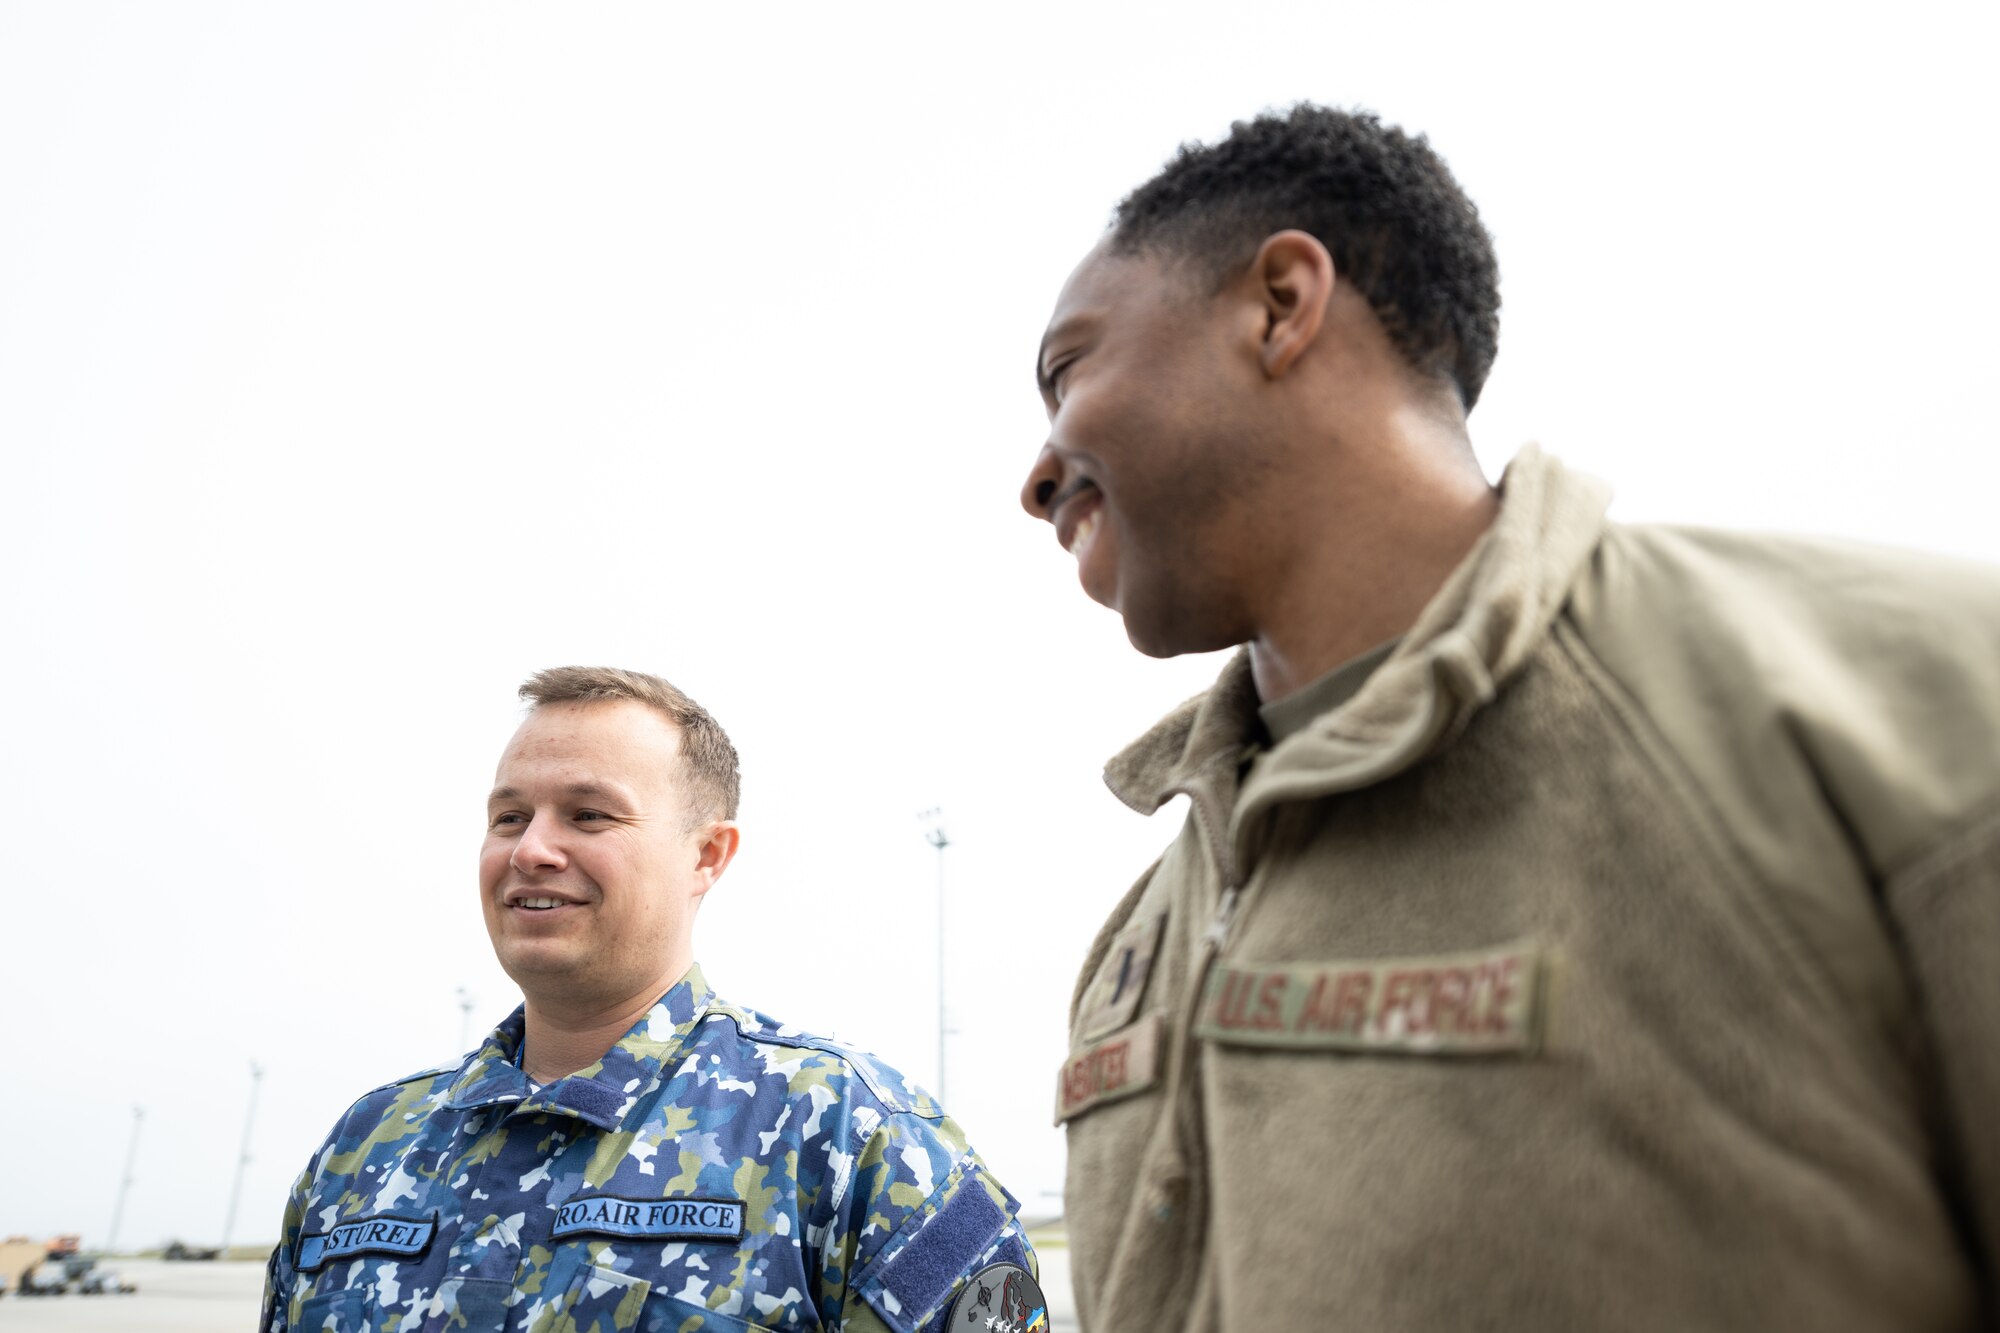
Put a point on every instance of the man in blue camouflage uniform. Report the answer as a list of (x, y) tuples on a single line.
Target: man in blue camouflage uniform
[(707, 1169)]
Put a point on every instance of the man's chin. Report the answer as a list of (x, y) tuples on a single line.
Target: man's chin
[(542, 964), (1166, 635), (1151, 647)]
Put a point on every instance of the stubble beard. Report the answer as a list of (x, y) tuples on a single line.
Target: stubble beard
[(1190, 594)]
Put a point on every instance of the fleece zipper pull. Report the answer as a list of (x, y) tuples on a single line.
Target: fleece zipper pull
[(1218, 929)]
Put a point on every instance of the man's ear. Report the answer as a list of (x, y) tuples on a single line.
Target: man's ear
[(1294, 278), (715, 852)]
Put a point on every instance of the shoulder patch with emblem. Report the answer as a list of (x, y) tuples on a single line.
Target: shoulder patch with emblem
[(1482, 1003), (1000, 1298)]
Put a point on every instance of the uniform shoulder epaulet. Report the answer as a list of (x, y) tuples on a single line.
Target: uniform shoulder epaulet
[(434, 1071), (374, 1103), (896, 1093)]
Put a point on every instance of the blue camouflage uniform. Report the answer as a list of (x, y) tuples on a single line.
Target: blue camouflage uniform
[(715, 1170)]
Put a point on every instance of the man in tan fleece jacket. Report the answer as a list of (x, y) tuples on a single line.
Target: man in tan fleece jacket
[(1575, 926)]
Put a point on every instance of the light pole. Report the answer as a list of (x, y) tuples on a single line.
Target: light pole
[(934, 834), (242, 1157), (464, 1018), (125, 1186)]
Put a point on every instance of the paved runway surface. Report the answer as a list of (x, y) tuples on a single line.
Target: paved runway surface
[(222, 1298), (173, 1298)]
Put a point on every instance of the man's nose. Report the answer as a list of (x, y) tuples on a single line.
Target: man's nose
[(538, 850), (1044, 480)]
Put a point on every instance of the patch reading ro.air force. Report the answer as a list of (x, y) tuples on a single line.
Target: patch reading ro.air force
[(1001, 1298), (650, 1219), (405, 1237), (1114, 993), (1484, 1003)]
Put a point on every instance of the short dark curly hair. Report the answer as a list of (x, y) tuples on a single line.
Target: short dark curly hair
[(1383, 204)]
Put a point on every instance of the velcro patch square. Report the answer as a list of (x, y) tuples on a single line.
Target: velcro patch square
[(923, 1271)]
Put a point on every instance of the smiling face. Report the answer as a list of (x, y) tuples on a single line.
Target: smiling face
[(1154, 457), (590, 875)]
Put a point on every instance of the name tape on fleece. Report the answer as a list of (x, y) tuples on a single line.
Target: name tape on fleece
[(1121, 1065)]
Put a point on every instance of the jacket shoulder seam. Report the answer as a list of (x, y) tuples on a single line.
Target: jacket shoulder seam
[(435, 1071), (852, 1062), (1658, 752), (420, 1076), (1969, 839)]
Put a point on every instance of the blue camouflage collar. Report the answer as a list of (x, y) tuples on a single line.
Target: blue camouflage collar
[(599, 1093)]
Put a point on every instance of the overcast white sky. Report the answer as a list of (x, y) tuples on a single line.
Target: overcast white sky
[(357, 360)]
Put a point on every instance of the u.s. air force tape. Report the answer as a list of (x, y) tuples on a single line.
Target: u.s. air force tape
[(1002, 1298), (1486, 1002), (650, 1219), (405, 1237)]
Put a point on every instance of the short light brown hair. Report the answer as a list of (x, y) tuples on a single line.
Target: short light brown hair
[(708, 760)]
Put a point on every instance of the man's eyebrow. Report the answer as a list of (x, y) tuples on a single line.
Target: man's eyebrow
[(583, 789)]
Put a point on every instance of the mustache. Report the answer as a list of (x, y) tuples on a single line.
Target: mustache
[(1070, 492)]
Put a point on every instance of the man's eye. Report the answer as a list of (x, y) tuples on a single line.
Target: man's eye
[(1057, 374), (508, 818), (587, 816)]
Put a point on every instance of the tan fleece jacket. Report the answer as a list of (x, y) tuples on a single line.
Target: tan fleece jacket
[(1626, 953)]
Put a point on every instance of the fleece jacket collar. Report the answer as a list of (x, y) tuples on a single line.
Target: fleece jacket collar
[(1479, 628)]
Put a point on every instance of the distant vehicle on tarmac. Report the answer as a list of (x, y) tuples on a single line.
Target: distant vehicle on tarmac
[(105, 1282), (72, 1272), (176, 1250)]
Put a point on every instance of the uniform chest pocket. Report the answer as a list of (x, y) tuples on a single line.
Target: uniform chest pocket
[(344, 1311), (670, 1314), (469, 1305), (602, 1300), (464, 1305), (593, 1300)]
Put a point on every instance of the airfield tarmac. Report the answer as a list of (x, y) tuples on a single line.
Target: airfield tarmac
[(223, 1298)]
